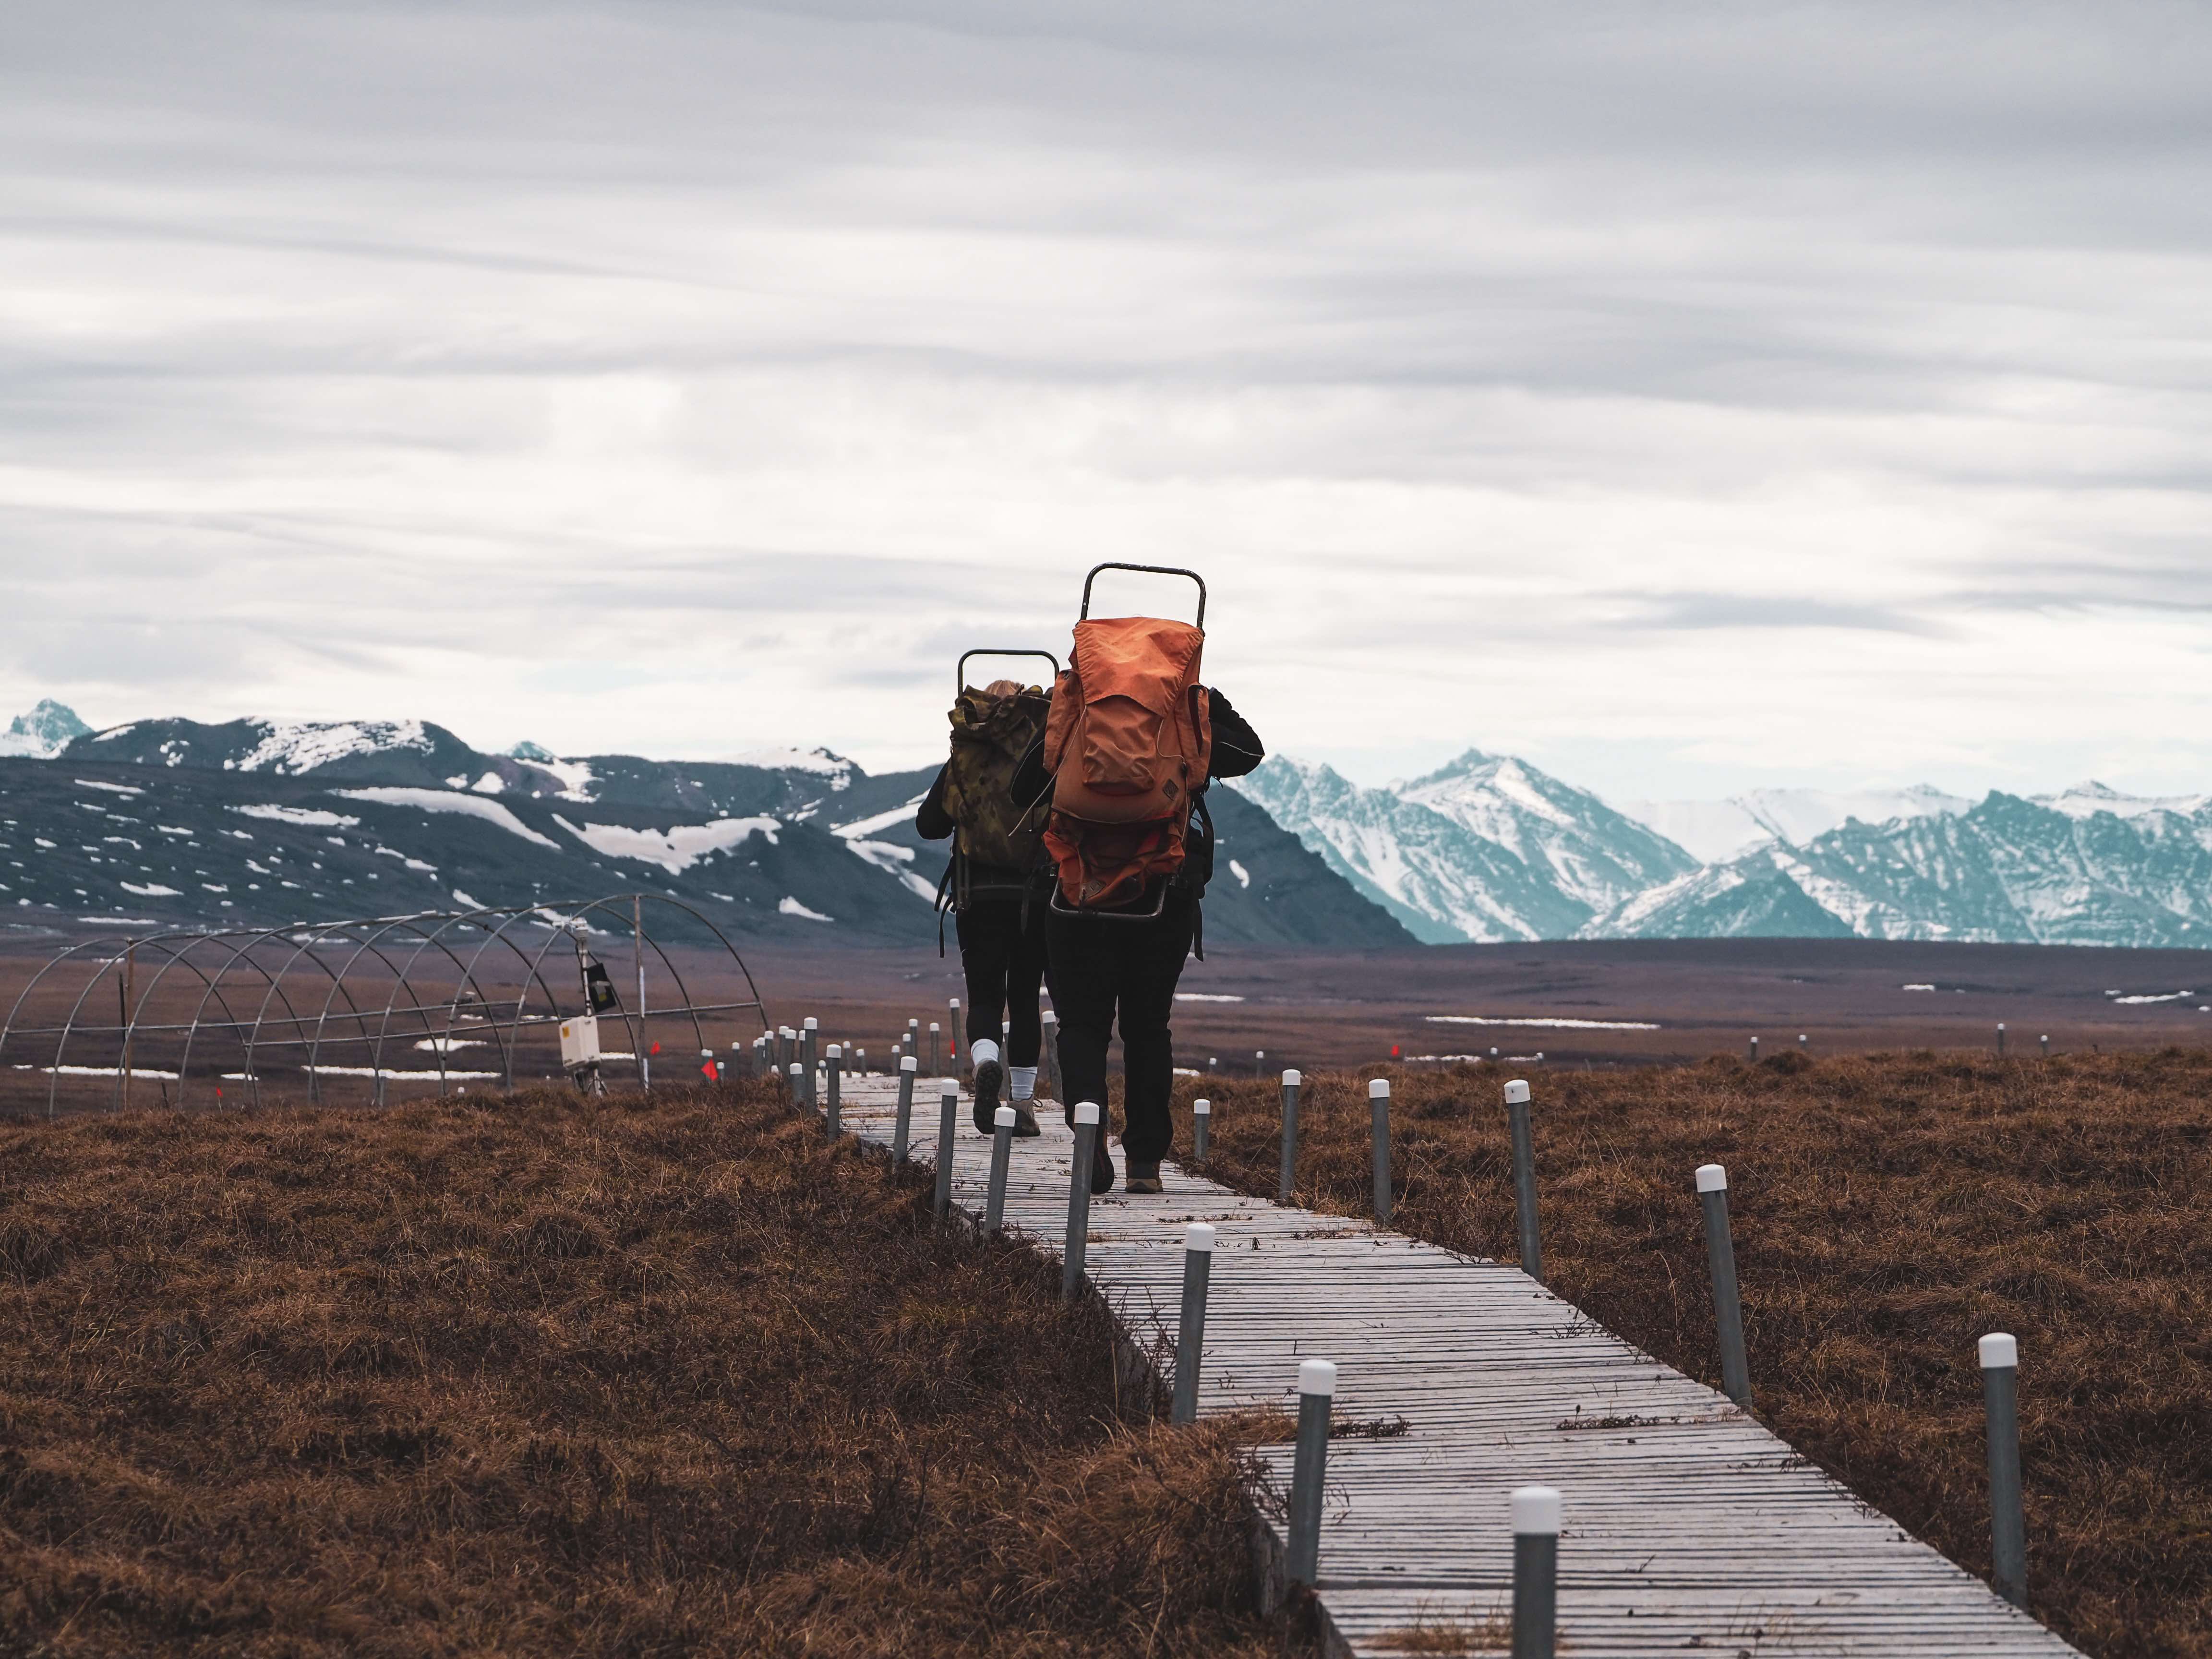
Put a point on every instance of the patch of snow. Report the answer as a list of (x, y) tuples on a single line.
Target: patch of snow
[(467, 904), (448, 1045), (1548, 1022), (104, 1071), (445, 800), (113, 788), (1918, 987), (301, 815), (2171, 996), (152, 889), (789, 905), (836, 768), (173, 829), (675, 849), (1205, 996), (888, 856), (489, 784), (1243, 876), (575, 778), (2087, 798), (295, 746), (868, 826)]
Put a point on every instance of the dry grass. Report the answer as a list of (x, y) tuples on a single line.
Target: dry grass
[(1888, 1210), (543, 1375)]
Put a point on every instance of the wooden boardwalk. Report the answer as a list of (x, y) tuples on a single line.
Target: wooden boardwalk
[(1689, 1528)]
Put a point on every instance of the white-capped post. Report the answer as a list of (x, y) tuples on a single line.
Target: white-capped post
[(1087, 1131), (902, 1125), (1002, 1152), (1378, 1111), (2046, 1045), (952, 1029), (948, 1128), (1201, 1125), (833, 1059), (1728, 1306), (1190, 1333), (1523, 1136), (2000, 1358), (809, 1037), (1536, 1518), (1051, 1056), (1754, 1051), (1309, 1469), (2000, 1039), (936, 1050), (1292, 1084), (798, 1084)]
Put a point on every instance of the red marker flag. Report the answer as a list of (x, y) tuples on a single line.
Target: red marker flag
[(1394, 1051), (654, 1049), (707, 1071)]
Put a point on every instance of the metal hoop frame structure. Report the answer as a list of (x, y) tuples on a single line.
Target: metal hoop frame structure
[(337, 999)]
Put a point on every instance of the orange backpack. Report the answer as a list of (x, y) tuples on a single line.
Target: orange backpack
[(1129, 741)]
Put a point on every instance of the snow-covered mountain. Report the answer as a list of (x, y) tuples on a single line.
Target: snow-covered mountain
[(44, 732), (2009, 869), (1717, 831), (1488, 847)]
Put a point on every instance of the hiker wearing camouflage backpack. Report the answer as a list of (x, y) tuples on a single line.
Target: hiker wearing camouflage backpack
[(1122, 769), (997, 886)]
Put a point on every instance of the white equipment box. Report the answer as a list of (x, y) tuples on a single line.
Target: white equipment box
[(579, 1041)]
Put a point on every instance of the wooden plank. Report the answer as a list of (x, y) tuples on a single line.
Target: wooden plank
[(1693, 1528)]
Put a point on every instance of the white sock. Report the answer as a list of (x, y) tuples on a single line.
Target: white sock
[(983, 1051), (1025, 1081)]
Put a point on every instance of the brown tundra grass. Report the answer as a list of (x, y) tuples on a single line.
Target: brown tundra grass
[(541, 1376), (1887, 1211)]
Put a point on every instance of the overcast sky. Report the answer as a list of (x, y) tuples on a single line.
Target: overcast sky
[(1685, 397)]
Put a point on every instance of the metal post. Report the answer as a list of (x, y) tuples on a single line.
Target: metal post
[(1727, 1307), (1259, 1062), (807, 1040), (637, 942), (1051, 1055), (1079, 1198), (1002, 1152), (1378, 1107), (952, 1031), (2046, 1045), (860, 1062), (1308, 1468), (2000, 1357), (902, 1126), (1190, 1333), (836, 1058), (1801, 1041), (1524, 1178), (936, 1050), (2000, 1039), (1287, 1179), (1535, 1571), (1201, 1121), (1754, 1051), (797, 1086), (948, 1119)]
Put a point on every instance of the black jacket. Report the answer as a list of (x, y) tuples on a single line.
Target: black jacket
[(1236, 750)]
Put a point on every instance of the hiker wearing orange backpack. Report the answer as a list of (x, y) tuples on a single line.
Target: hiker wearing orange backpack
[(1131, 744)]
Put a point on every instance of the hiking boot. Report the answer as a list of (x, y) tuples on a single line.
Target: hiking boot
[(1143, 1178), (1101, 1168), (990, 1078), (1025, 1123)]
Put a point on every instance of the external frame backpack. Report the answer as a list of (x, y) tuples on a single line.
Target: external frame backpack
[(995, 843), (1129, 742)]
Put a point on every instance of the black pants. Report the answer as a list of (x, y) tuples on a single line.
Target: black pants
[(1004, 965), (1101, 967)]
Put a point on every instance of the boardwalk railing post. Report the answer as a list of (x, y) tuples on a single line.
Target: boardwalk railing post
[(948, 1124), (1201, 1124), (936, 1050), (797, 1085), (808, 1038), (952, 1029), (902, 1126), (860, 1062), (1308, 1470), (1535, 1571), (1378, 1108), (834, 1057), (2000, 1357), (1079, 1198), (1190, 1331), (1291, 1081), (1051, 1054), (1754, 1051), (2046, 1045), (2001, 1040), (1728, 1306), (1524, 1178), (1002, 1152)]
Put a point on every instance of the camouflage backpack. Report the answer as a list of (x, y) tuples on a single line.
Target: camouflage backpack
[(995, 844)]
